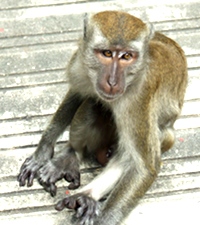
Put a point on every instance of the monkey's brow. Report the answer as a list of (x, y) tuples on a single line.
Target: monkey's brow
[(100, 47)]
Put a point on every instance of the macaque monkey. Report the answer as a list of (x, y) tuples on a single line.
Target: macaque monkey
[(127, 86)]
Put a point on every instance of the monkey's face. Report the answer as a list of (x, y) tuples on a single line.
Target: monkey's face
[(111, 78)]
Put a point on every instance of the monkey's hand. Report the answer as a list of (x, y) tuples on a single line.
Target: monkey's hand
[(54, 171), (28, 171), (31, 165), (87, 209)]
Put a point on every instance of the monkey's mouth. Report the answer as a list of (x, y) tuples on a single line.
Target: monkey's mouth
[(108, 96)]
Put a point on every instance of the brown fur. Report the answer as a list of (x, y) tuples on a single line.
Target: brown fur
[(119, 26)]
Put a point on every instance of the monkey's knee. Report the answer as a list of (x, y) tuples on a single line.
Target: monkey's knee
[(168, 139)]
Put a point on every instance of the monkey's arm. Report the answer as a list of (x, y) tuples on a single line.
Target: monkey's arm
[(129, 190), (45, 149)]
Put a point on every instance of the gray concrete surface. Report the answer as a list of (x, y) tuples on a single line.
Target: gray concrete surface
[(37, 39)]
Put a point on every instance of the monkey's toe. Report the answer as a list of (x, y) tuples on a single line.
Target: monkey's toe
[(48, 187), (73, 177)]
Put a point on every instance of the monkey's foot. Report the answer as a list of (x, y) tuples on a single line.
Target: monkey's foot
[(87, 209), (52, 172), (28, 172)]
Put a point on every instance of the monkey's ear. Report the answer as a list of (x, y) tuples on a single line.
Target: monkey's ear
[(85, 25), (150, 30)]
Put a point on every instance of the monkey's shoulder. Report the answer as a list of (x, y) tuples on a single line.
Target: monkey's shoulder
[(161, 41), (167, 63), (159, 37)]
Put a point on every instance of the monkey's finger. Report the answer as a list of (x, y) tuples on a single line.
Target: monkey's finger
[(62, 204), (53, 189), (74, 185), (68, 177), (41, 182), (19, 179), (73, 180), (81, 211), (84, 206), (30, 179), (22, 177), (88, 208), (48, 187)]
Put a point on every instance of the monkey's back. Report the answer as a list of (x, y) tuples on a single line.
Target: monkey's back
[(168, 64), (168, 75)]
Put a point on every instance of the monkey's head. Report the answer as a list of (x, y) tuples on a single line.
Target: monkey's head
[(114, 47)]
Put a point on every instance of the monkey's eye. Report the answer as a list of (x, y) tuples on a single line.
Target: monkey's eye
[(107, 53), (127, 56)]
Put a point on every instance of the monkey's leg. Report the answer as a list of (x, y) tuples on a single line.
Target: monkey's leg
[(45, 149), (64, 165)]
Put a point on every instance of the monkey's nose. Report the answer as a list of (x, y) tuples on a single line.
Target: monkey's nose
[(112, 87), (112, 81)]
